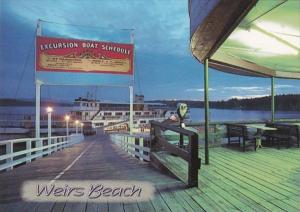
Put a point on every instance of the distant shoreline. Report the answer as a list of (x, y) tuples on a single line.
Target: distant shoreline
[(29, 103), (289, 102)]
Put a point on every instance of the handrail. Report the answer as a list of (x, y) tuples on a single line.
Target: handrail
[(135, 146), (173, 128), (12, 157), (190, 154)]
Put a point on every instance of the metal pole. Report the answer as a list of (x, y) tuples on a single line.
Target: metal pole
[(76, 128), (273, 98), (67, 125), (181, 135), (37, 107), (131, 91), (49, 127), (206, 108), (49, 131), (131, 110)]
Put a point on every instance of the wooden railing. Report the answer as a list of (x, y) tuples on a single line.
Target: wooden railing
[(189, 153), (135, 146), (15, 154)]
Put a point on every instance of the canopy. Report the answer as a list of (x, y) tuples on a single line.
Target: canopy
[(247, 37)]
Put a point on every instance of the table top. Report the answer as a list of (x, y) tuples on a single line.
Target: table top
[(297, 124), (260, 126)]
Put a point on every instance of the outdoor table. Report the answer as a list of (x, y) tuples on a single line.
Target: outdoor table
[(259, 129)]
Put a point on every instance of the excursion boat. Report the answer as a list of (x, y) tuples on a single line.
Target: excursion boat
[(98, 114)]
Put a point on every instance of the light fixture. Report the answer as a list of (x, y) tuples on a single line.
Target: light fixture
[(49, 109), (67, 117)]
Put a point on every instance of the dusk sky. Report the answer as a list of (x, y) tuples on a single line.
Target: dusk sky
[(164, 66)]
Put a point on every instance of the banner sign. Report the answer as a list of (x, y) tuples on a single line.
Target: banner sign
[(71, 55)]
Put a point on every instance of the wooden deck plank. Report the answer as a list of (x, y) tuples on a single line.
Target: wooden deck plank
[(169, 200), (282, 186), (146, 206), (131, 207), (259, 174), (19, 206), (251, 184), (188, 201), (58, 207), (45, 207), (75, 207), (102, 207), (116, 207), (159, 204), (220, 200)]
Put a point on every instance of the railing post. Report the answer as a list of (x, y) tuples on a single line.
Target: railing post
[(39, 143), (125, 143), (9, 150), (28, 147), (55, 142), (141, 144), (136, 150), (194, 161), (49, 145)]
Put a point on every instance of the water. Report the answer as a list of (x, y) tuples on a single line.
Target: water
[(197, 114)]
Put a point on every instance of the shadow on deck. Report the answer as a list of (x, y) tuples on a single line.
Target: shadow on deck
[(266, 180)]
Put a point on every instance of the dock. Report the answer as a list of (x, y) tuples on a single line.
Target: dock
[(266, 180)]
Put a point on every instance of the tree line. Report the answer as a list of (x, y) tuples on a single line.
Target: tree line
[(285, 102)]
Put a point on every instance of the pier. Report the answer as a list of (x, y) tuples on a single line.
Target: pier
[(234, 180)]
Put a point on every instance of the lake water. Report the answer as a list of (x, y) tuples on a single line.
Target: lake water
[(197, 114)]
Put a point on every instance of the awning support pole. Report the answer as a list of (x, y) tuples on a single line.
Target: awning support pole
[(273, 98), (206, 108)]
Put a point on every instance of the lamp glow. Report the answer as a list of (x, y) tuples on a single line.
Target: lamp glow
[(67, 117), (49, 109)]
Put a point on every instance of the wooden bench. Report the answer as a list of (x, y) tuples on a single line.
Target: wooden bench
[(241, 134), (285, 134)]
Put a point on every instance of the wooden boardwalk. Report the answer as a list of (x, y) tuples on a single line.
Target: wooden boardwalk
[(266, 180)]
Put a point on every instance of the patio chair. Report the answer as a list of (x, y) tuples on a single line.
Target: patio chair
[(241, 136), (285, 135)]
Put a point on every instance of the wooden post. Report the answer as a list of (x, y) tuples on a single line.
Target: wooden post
[(194, 162), (9, 150), (141, 144), (28, 147)]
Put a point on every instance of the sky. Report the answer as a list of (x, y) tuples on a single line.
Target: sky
[(164, 66)]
